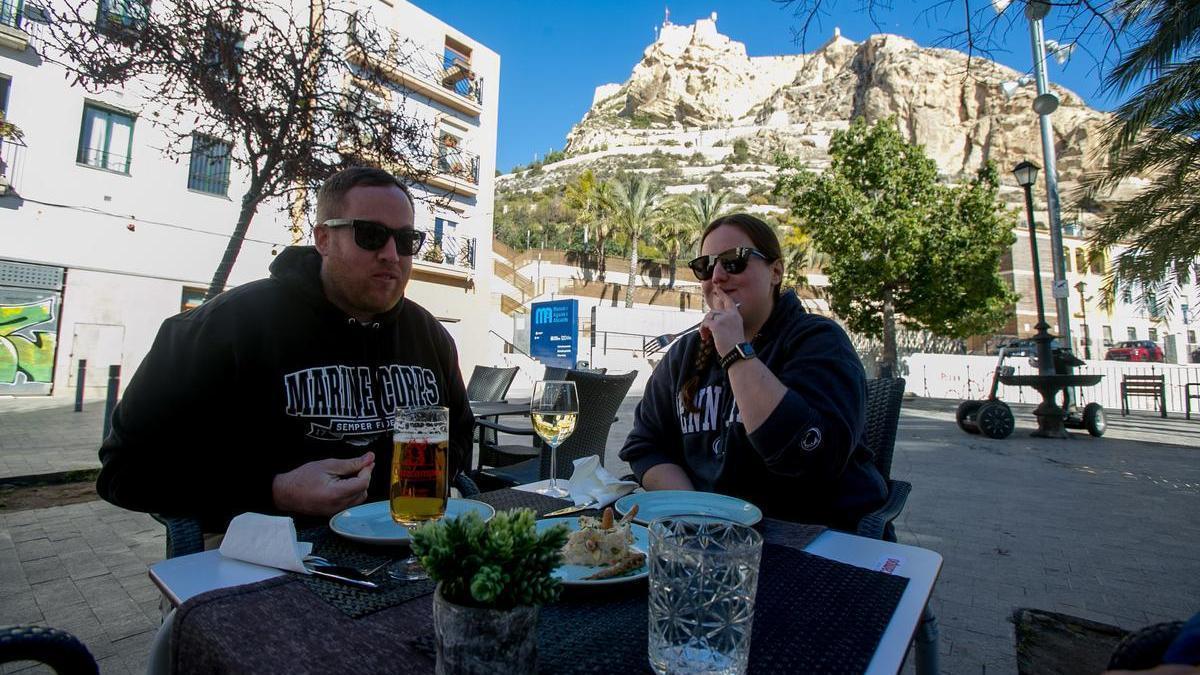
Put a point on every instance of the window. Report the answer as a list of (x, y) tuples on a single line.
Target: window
[(1191, 337), (456, 60), (1081, 260), (192, 298), (223, 50), (209, 167), (1154, 335), (1131, 333), (4, 85), (10, 13), (1127, 295), (106, 138), (1097, 260), (1107, 332), (122, 16)]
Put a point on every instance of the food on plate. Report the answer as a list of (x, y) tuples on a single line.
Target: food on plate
[(601, 542)]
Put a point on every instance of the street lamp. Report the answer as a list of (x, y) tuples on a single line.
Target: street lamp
[(1087, 338), (1026, 175)]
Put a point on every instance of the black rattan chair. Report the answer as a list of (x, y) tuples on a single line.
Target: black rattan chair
[(58, 649), (600, 397), (490, 384), (884, 398), (1144, 648)]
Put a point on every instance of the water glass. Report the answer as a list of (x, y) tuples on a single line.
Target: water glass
[(703, 575)]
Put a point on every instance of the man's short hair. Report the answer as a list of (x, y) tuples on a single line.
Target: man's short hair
[(332, 195)]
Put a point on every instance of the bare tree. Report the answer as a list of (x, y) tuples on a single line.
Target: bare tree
[(288, 92)]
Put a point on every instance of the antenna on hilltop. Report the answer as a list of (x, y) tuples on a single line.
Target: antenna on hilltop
[(666, 15)]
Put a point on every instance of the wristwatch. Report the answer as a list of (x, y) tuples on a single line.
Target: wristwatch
[(743, 350)]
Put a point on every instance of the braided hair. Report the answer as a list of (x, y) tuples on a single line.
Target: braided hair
[(767, 242)]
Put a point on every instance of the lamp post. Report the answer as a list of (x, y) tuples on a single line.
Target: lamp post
[(1087, 339), (1026, 174), (1045, 104)]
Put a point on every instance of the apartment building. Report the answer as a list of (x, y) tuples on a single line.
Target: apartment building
[(102, 236), (1093, 328)]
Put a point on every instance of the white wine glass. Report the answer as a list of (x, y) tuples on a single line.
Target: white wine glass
[(554, 409)]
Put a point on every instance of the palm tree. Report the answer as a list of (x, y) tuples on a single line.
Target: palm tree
[(636, 206), (580, 196), (1154, 133), (704, 207), (676, 235)]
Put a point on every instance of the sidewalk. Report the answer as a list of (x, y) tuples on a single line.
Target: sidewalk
[(40, 435), (1104, 529)]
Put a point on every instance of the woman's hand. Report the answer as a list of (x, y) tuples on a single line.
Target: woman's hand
[(723, 323)]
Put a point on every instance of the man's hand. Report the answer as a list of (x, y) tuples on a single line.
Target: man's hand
[(323, 487)]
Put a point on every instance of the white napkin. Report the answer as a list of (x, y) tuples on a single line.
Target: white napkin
[(592, 482), (265, 540)]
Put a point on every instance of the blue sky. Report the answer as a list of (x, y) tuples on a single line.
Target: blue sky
[(553, 53)]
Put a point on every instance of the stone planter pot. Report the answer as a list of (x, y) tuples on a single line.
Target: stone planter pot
[(484, 641)]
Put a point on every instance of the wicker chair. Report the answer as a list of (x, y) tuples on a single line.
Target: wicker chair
[(490, 384), (884, 398), (58, 649), (600, 396), (1144, 648)]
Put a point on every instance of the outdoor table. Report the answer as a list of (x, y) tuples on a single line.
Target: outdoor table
[(499, 408), (208, 577)]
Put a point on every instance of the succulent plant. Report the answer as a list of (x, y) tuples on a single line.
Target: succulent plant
[(500, 564)]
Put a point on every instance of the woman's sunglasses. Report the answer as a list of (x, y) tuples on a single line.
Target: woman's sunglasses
[(371, 236), (734, 261)]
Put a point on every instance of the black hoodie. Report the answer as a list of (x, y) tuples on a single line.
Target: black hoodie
[(806, 462), (266, 377)]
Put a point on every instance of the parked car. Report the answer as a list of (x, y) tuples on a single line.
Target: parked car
[(1024, 347), (1135, 350)]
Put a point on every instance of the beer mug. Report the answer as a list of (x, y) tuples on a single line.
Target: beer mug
[(420, 483)]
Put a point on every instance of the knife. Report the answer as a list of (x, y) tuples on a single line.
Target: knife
[(571, 509), (347, 575)]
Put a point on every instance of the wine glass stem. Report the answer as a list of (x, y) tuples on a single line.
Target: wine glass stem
[(553, 466)]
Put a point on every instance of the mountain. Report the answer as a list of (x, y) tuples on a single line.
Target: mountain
[(696, 92)]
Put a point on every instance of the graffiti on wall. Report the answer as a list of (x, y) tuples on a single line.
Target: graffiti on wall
[(28, 338)]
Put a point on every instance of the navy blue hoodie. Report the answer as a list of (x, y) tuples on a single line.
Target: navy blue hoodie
[(266, 377), (806, 462)]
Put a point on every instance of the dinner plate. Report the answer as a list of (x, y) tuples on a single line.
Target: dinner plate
[(573, 575), (660, 503), (372, 523)]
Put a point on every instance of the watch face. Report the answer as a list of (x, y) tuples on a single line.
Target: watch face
[(746, 350)]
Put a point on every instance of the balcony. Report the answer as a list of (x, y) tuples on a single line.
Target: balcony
[(447, 257), (455, 170), (451, 82), (12, 154), (12, 35)]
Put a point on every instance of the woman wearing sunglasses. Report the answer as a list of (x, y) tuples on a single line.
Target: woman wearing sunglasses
[(766, 402)]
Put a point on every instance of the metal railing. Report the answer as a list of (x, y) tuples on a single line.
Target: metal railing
[(456, 162), (11, 156), (451, 73), (11, 13), (448, 249)]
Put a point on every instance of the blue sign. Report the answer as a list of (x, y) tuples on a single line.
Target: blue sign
[(553, 331)]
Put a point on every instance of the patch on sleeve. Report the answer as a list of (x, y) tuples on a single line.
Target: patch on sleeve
[(812, 439)]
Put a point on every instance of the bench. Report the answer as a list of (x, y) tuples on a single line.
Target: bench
[(1143, 385), (1188, 395)]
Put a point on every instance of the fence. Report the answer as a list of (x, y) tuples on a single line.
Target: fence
[(957, 376)]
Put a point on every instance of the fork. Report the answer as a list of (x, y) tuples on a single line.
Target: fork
[(365, 572)]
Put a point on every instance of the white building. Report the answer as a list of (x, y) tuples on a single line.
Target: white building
[(102, 236)]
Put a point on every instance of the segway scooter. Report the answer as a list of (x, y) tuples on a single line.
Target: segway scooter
[(991, 416)]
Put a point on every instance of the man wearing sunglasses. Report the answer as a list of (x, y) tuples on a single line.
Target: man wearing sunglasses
[(277, 396)]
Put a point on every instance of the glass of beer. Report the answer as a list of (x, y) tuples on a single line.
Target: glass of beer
[(420, 483), (554, 408)]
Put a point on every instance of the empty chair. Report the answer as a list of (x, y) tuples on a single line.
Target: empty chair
[(490, 384), (600, 397)]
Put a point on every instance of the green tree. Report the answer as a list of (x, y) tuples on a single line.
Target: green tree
[(636, 207), (581, 196), (1154, 134), (901, 245)]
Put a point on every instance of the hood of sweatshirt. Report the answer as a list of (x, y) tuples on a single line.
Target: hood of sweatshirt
[(298, 268)]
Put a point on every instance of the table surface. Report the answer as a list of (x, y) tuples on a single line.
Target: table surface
[(494, 408), (187, 576)]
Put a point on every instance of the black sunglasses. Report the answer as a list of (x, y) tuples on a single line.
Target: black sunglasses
[(734, 261), (371, 236)]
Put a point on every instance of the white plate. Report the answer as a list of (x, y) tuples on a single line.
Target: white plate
[(573, 575), (372, 523), (660, 503)]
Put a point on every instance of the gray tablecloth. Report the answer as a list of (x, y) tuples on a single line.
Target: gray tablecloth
[(279, 625)]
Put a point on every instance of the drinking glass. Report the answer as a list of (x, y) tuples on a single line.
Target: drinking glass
[(420, 483), (703, 575), (554, 408)]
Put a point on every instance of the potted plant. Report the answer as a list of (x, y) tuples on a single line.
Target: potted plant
[(491, 579)]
